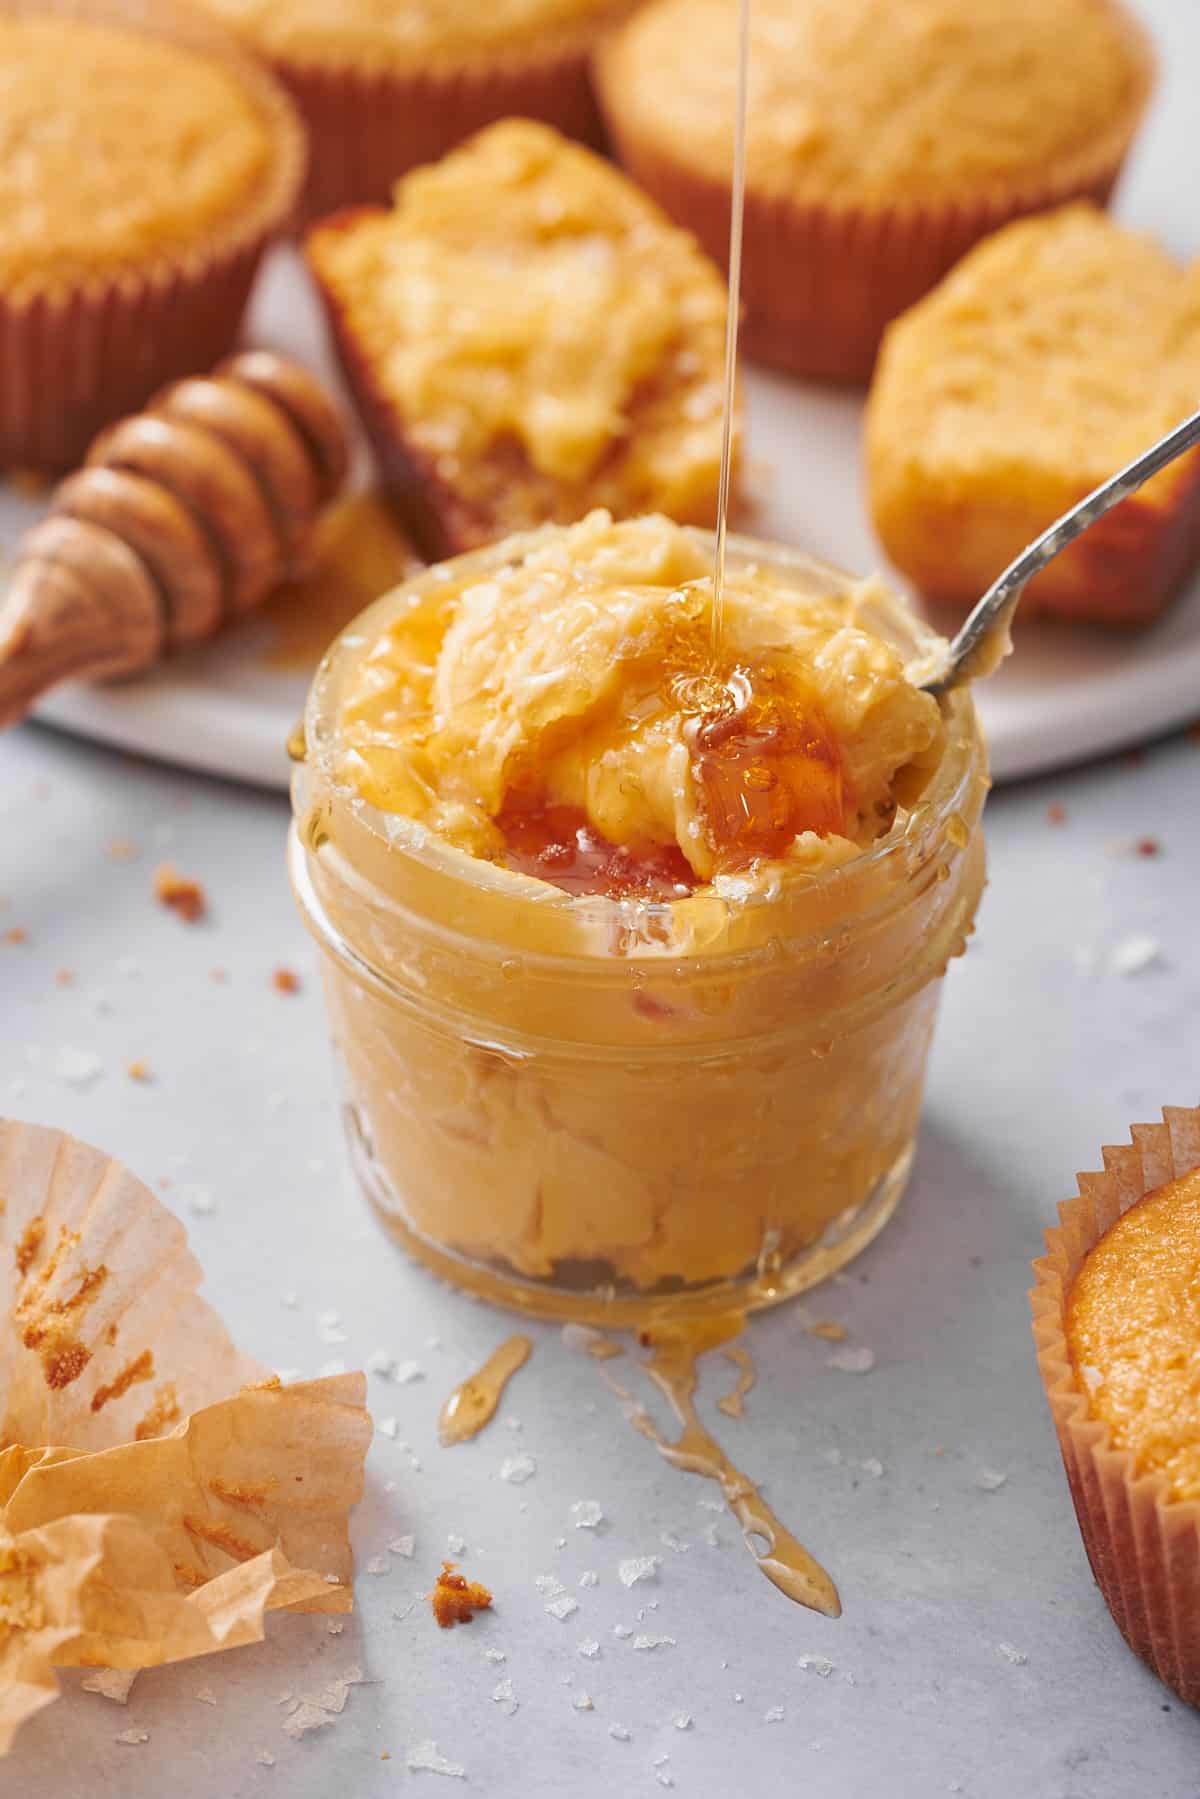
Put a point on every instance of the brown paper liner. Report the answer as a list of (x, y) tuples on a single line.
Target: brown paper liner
[(369, 126), (73, 361), (820, 282), (1144, 1548)]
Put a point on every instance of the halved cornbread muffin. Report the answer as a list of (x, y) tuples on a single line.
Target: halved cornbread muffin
[(527, 338), (1054, 353)]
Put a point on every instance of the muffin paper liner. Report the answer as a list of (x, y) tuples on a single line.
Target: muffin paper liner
[(159, 1491), (368, 126), (72, 361), (820, 282), (1143, 1547)]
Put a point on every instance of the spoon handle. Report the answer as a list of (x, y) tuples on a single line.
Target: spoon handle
[(982, 640)]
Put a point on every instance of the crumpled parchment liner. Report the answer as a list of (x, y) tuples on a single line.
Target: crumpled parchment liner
[(1143, 1547), (149, 1509)]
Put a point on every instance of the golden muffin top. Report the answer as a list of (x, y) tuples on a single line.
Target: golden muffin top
[(886, 102), (1062, 345), (389, 34), (523, 289), (120, 149), (1133, 1329)]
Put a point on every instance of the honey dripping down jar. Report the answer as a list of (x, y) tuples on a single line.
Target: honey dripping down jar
[(600, 1078)]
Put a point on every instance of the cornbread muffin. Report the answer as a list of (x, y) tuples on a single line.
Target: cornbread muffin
[(384, 86), (144, 165), (527, 337), (1053, 354), (883, 141), (659, 941), (1133, 1331), (1116, 1310)]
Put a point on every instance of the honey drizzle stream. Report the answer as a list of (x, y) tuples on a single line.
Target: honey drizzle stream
[(732, 1403), (737, 207), (675, 1350), (473, 1403)]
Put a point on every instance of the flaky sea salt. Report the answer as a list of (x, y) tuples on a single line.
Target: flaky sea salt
[(562, 1607), (198, 1200), (548, 1585), (855, 1360), (1017, 1657), (455, 1544), (389, 1427), (265, 1759), (1136, 953), (589, 1648), (990, 1480), (132, 1737), (424, 1758), (503, 1696), (586, 1514), (620, 1734), (78, 1068), (589, 1578), (402, 1546), (816, 1664), (638, 1567), (517, 1469), (404, 1372), (380, 1362), (205, 1695), (111, 1683), (682, 1720), (379, 1564), (873, 1466), (647, 1642), (495, 1655), (582, 1703)]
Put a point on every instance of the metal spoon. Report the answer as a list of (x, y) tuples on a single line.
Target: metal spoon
[(982, 641)]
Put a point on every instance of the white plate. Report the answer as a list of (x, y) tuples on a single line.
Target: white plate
[(1067, 694)]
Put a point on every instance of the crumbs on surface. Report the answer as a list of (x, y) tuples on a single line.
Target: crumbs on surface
[(455, 1599), (138, 1070), (285, 980), (179, 893)]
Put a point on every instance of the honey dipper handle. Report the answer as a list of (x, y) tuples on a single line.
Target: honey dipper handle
[(79, 602)]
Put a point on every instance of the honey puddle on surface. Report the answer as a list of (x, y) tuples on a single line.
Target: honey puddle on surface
[(473, 1403), (675, 1350)]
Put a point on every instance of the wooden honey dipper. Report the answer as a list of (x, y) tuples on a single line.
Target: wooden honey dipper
[(182, 518)]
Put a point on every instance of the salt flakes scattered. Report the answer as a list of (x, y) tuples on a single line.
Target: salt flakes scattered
[(645, 1642), (773, 1715), (292, 1302), (402, 1546), (623, 1631), (78, 1068), (517, 1469), (664, 1778), (335, 1627), (495, 1655), (1136, 953), (205, 1695), (872, 1466), (389, 1427), (380, 1362), (816, 1664), (265, 1759), (589, 1648), (404, 1372), (560, 1542), (112, 1683), (832, 1456), (710, 1505), (669, 1540), (712, 1536), (990, 1480), (455, 1544), (620, 1734), (587, 1514), (589, 1578), (548, 1585), (511, 1423), (638, 1567), (504, 1697), (423, 1758), (1017, 1657), (682, 1720), (379, 1564), (132, 1737), (583, 1703), (562, 1607), (858, 1360)]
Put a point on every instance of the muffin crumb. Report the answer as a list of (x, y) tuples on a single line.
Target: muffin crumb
[(455, 1599), (179, 893)]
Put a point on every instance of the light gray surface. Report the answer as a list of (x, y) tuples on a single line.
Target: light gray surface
[(1045, 1053)]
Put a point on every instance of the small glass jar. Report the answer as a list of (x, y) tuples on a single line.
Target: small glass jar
[(600, 1109)]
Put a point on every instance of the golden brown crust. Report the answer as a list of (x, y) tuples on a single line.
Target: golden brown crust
[(72, 361)]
